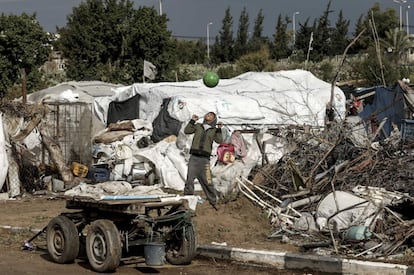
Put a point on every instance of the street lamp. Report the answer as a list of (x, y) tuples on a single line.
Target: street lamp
[(400, 2), (208, 40), (160, 2), (294, 28), (406, 20)]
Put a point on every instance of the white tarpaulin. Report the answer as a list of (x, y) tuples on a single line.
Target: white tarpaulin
[(256, 101), (4, 164), (255, 98), (344, 210), (252, 100)]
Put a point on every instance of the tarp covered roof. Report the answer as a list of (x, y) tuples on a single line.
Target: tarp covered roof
[(259, 98), (74, 91)]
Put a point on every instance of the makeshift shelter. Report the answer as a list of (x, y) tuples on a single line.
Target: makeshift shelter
[(254, 98), (256, 104), (71, 120), (135, 133), (385, 109)]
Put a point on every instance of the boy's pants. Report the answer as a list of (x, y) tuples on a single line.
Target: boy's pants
[(199, 168)]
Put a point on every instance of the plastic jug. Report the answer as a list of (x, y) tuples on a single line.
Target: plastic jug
[(357, 233)]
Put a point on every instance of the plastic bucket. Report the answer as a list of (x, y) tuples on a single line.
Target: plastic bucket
[(154, 253)]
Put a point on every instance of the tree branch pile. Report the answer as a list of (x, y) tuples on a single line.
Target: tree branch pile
[(323, 162)]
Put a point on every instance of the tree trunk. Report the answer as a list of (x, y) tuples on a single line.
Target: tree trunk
[(55, 154)]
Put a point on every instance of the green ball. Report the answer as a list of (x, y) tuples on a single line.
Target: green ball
[(211, 79)]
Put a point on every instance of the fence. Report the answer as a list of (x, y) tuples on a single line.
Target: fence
[(70, 125)]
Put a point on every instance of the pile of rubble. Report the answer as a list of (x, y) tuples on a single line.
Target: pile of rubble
[(334, 197)]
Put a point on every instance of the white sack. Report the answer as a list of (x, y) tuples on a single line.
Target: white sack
[(360, 211), (124, 152), (165, 167)]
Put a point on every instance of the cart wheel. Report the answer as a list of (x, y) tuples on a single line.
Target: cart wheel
[(181, 248), (103, 246), (62, 240)]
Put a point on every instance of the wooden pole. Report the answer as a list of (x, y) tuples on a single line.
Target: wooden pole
[(23, 76)]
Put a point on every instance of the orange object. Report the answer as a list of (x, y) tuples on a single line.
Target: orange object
[(79, 169)]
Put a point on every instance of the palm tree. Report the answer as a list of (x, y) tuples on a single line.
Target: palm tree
[(397, 44)]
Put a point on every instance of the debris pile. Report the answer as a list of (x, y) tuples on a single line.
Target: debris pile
[(330, 195)]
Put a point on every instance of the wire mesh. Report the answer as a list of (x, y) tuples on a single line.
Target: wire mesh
[(70, 126)]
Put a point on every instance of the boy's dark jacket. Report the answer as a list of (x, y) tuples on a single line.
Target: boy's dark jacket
[(204, 135)]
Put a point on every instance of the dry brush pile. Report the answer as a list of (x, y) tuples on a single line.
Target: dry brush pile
[(327, 161)]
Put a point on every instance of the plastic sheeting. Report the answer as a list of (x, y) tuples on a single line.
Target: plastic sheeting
[(127, 109), (257, 100), (122, 190), (388, 104), (4, 164), (342, 210), (254, 98)]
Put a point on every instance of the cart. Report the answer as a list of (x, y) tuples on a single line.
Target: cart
[(108, 231)]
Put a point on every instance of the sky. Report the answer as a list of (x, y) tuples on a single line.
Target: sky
[(189, 18)]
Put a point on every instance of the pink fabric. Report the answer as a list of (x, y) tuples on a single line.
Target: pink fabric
[(239, 144)]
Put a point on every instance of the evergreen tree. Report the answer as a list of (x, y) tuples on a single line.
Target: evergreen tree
[(371, 71), (240, 47), (362, 42), (151, 40), (281, 47), (383, 21), (24, 47), (258, 61), (257, 41), (109, 40), (190, 52), (393, 47), (303, 36), (322, 36), (340, 35), (223, 49)]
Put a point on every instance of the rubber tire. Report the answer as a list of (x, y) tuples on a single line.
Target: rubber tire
[(103, 246), (185, 241), (62, 240)]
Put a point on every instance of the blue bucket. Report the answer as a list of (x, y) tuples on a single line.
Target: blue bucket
[(154, 253)]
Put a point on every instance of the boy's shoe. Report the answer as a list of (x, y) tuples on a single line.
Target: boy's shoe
[(215, 206)]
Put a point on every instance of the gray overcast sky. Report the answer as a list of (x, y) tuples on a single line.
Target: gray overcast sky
[(189, 18)]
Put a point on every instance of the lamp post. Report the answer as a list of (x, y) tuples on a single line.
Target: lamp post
[(406, 20), (208, 40), (160, 2), (400, 2), (294, 27)]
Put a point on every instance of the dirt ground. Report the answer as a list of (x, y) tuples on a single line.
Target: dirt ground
[(238, 223)]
